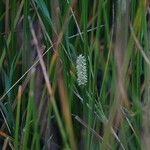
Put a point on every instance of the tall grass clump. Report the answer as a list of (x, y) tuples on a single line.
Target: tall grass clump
[(74, 74)]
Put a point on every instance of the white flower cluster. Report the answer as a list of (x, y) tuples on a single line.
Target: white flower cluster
[(81, 70)]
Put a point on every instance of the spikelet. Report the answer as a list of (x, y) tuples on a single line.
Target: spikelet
[(81, 70)]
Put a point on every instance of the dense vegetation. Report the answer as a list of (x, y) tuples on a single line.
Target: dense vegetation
[(74, 74)]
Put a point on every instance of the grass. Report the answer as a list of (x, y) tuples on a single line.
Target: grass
[(42, 106)]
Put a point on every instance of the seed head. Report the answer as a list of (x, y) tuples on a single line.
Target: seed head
[(81, 70)]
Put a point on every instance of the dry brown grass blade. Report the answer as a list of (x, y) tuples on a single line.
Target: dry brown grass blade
[(61, 86), (5, 144), (40, 59), (145, 134), (49, 88), (90, 129), (146, 111), (65, 106), (119, 53), (140, 47), (4, 135)]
